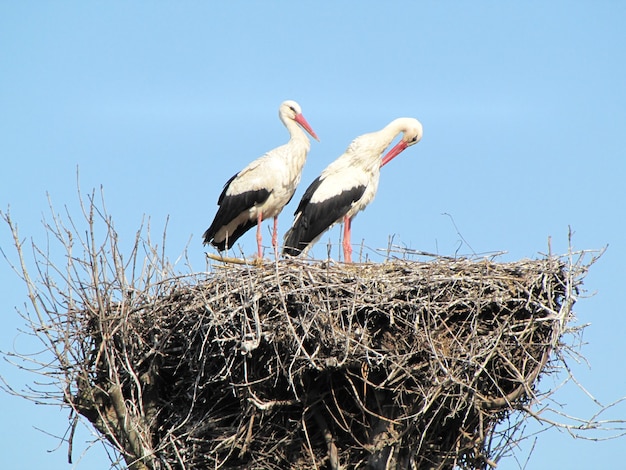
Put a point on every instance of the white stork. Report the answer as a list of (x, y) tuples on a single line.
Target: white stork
[(264, 187), (347, 186)]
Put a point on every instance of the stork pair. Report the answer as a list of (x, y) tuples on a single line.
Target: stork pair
[(263, 188)]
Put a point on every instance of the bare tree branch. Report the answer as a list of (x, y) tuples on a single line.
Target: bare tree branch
[(294, 364)]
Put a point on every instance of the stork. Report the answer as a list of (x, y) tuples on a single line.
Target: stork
[(264, 187), (347, 186)]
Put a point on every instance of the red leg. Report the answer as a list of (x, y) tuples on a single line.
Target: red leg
[(275, 236), (259, 237), (347, 246)]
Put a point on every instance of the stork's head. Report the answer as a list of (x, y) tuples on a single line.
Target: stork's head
[(412, 132), (290, 110)]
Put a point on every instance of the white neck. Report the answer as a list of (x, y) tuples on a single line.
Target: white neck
[(294, 129), (395, 127)]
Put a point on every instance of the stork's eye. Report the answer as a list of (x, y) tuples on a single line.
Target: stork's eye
[(293, 109)]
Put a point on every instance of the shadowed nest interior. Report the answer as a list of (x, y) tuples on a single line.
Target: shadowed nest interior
[(402, 364)]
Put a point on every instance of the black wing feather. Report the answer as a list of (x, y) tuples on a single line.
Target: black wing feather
[(230, 206), (312, 219), (308, 194)]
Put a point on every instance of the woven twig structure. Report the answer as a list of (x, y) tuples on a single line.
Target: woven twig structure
[(402, 364)]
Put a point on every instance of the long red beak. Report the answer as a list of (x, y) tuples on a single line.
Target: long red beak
[(300, 120), (394, 152)]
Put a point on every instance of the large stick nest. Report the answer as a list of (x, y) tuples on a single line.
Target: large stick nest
[(296, 365)]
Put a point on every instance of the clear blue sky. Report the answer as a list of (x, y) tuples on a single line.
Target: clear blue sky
[(524, 113)]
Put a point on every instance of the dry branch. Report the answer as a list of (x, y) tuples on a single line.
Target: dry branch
[(402, 364)]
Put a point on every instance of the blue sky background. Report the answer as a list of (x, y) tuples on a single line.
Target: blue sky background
[(524, 113)]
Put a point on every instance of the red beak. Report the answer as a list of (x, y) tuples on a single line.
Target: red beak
[(300, 120), (394, 152)]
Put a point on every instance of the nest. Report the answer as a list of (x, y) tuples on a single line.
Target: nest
[(402, 364)]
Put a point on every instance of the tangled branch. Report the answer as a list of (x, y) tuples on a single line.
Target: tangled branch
[(294, 364)]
